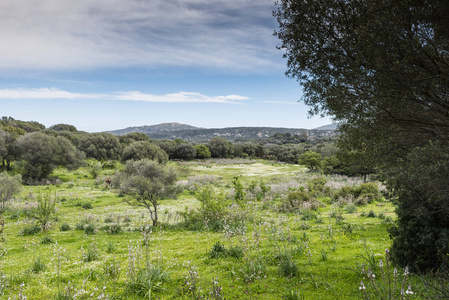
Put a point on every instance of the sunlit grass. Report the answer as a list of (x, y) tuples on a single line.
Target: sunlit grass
[(326, 250)]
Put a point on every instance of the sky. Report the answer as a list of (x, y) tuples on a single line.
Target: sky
[(110, 64)]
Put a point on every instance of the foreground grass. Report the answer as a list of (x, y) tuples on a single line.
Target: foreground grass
[(327, 246)]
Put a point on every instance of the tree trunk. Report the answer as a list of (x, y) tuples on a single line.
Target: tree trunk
[(155, 214)]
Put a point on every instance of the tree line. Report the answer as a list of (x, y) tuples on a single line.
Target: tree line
[(37, 150)]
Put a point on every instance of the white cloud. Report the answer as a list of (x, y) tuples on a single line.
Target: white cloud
[(69, 35), (53, 93)]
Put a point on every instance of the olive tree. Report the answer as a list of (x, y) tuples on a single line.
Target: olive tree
[(101, 146), (141, 150), (40, 154), (9, 187), (220, 148), (146, 182), (380, 69), (310, 159)]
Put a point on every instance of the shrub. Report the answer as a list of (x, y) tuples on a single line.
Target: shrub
[(235, 252), (87, 205), (65, 227), (90, 229), (79, 226), (38, 266), (47, 240), (45, 209), (288, 267), (371, 214), (113, 229), (253, 269), (30, 230), (351, 208), (294, 201), (218, 250), (91, 254), (148, 280)]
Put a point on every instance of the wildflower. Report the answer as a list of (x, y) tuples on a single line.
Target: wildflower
[(409, 290), (381, 264), (406, 272), (362, 287), (395, 272)]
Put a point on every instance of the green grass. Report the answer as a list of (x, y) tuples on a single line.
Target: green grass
[(324, 255)]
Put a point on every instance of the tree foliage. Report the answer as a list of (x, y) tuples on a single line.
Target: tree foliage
[(380, 68), (141, 150), (185, 151), (220, 148), (202, 151), (311, 160), (9, 187), (63, 127), (40, 154), (101, 146), (146, 182), (421, 236)]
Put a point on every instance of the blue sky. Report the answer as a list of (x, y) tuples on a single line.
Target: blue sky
[(110, 64)]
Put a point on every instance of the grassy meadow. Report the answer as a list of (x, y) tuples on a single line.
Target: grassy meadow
[(275, 246)]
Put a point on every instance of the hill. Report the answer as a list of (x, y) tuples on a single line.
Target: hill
[(150, 129), (173, 131)]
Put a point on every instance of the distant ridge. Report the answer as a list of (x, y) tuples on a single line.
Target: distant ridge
[(173, 131), (149, 129), (327, 127)]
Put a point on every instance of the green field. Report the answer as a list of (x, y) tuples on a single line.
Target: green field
[(267, 254)]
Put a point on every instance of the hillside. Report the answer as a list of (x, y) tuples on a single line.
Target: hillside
[(195, 134), (236, 133), (149, 129)]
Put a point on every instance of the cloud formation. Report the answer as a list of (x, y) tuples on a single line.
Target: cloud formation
[(80, 35), (53, 93)]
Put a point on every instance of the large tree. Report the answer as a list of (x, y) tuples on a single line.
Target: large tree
[(141, 150), (40, 154), (381, 69), (101, 146)]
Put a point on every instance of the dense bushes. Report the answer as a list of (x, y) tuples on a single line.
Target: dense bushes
[(421, 234)]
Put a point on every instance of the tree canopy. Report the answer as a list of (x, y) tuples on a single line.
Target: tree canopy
[(381, 70), (147, 181), (375, 66), (41, 153)]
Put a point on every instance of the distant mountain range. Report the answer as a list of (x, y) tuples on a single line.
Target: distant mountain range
[(173, 131)]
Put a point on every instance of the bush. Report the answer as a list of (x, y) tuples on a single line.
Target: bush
[(91, 254), (79, 226), (113, 229), (38, 266), (90, 229), (218, 250), (30, 230), (87, 205), (148, 280), (317, 186), (288, 267), (47, 240), (235, 252), (65, 227), (212, 211)]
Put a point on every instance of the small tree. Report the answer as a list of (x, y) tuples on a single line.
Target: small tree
[(94, 168), (45, 209), (146, 182), (202, 151), (310, 159), (9, 186)]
